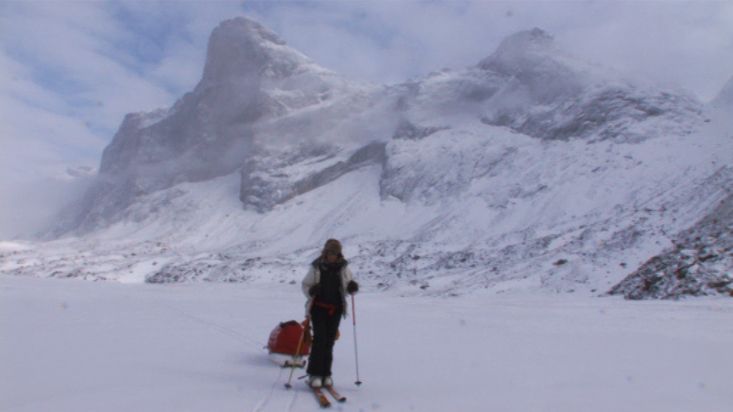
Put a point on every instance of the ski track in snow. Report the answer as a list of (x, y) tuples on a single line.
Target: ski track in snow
[(219, 328), (263, 403)]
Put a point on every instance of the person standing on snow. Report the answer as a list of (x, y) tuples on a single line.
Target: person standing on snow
[(326, 285)]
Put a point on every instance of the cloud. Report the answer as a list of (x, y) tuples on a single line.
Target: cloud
[(687, 44)]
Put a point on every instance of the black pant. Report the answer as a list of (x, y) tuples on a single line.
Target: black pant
[(325, 326)]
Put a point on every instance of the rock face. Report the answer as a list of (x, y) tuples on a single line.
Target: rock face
[(250, 76), (699, 264), (725, 97), (543, 92), (206, 124), (263, 191)]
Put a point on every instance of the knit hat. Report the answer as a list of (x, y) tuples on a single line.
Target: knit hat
[(332, 246)]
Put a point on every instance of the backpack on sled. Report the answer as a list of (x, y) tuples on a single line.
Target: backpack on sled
[(284, 341)]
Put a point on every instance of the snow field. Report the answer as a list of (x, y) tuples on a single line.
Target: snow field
[(72, 345)]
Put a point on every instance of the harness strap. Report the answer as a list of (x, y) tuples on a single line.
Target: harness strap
[(329, 307)]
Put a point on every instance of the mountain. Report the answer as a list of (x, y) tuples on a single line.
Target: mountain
[(250, 76), (529, 170), (725, 97)]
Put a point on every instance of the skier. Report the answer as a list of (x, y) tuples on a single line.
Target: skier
[(325, 286)]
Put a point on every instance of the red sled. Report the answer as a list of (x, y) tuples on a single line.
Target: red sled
[(285, 341)]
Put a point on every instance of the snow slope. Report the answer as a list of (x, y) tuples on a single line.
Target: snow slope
[(82, 346)]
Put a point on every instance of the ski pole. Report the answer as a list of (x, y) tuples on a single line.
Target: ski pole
[(300, 345), (356, 348)]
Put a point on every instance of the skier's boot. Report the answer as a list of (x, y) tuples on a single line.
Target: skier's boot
[(315, 381)]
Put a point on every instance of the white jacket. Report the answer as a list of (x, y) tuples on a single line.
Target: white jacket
[(314, 277)]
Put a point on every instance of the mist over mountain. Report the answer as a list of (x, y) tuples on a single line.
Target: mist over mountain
[(529, 170)]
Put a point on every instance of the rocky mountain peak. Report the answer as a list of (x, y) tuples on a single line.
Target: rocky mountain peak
[(241, 48), (517, 49), (535, 39), (725, 97)]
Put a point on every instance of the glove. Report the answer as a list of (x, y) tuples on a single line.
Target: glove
[(352, 287), (314, 290)]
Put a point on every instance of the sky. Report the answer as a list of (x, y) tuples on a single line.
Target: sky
[(71, 70)]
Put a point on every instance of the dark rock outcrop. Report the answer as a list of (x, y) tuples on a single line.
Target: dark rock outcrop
[(699, 264), (261, 191)]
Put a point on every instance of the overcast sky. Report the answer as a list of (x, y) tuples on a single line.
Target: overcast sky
[(69, 71)]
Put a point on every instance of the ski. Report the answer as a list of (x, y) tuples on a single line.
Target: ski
[(321, 397), (335, 394)]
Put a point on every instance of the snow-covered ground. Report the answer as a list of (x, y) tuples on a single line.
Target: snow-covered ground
[(69, 345)]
